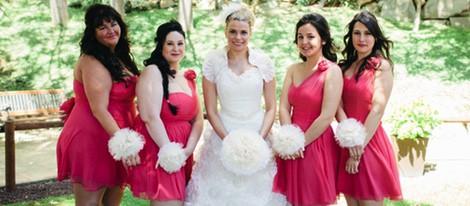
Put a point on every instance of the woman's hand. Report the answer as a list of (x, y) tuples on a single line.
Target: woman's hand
[(295, 155), (352, 166), (131, 161), (188, 152), (356, 152)]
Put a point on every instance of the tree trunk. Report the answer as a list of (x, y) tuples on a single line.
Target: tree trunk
[(185, 15), (59, 12), (418, 4), (254, 3), (119, 6)]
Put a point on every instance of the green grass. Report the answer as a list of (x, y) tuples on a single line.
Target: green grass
[(38, 55), (405, 203), (57, 201), (128, 200), (68, 200)]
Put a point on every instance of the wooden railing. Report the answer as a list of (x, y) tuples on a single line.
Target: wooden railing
[(26, 110)]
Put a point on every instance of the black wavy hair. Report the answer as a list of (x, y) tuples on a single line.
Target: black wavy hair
[(320, 23), (157, 56), (119, 60), (381, 45)]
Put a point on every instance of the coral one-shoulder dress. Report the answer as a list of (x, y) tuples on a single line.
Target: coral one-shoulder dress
[(310, 180), (82, 148)]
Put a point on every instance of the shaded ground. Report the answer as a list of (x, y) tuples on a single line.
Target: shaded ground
[(35, 190)]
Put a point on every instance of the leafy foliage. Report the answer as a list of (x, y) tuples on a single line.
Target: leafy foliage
[(328, 3), (41, 56), (7, 83), (303, 2), (417, 120)]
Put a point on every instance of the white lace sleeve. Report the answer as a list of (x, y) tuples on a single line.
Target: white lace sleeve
[(212, 65), (264, 63)]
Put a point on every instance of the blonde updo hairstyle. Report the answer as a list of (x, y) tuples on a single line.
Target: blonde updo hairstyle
[(243, 13)]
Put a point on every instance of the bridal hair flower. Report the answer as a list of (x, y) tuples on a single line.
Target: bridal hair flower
[(125, 143), (171, 157), (350, 133), (288, 140), (227, 10), (243, 13), (244, 152)]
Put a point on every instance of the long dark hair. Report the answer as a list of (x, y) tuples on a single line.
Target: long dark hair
[(381, 45), (115, 62), (157, 56), (320, 23)]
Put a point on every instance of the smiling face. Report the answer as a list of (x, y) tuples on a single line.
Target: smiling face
[(363, 40), (238, 34), (174, 48), (108, 34), (309, 41)]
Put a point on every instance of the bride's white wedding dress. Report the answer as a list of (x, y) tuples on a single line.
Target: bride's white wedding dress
[(240, 99)]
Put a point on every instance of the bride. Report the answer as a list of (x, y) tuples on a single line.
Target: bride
[(236, 77)]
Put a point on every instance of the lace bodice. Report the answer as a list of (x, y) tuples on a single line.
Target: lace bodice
[(240, 96)]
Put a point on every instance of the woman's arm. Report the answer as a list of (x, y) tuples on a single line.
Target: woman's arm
[(383, 84), (332, 89), (340, 113), (285, 108), (270, 107), (196, 129), (149, 92), (210, 102), (98, 83)]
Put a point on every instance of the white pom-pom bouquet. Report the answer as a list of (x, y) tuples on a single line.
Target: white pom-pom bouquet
[(288, 140), (171, 157), (244, 152), (350, 133), (125, 143)]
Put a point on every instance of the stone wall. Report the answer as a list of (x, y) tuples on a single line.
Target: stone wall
[(166, 3), (453, 12)]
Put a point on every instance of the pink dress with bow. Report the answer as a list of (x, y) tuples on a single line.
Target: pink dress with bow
[(82, 148), (378, 174), (152, 183)]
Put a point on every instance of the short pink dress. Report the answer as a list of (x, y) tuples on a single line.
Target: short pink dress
[(82, 148), (148, 182), (310, 180), (378, 174)]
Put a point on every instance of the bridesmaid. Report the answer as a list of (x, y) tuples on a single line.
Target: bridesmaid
[(170, 119), (368, 172), (310, 97), (104, 83)]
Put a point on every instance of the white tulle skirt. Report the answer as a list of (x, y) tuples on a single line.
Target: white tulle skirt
[(212, 184)]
